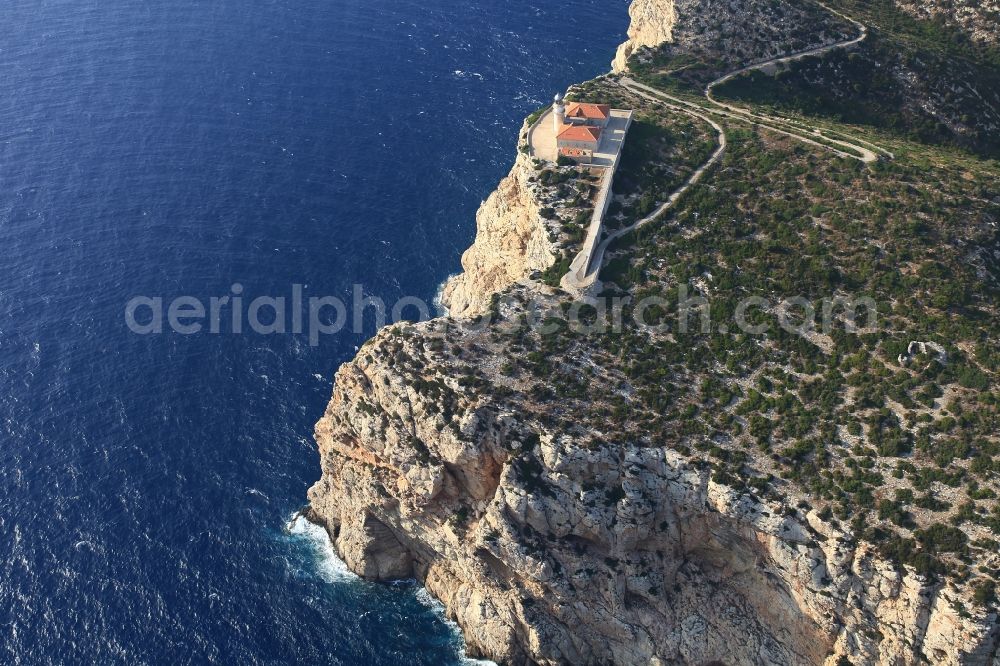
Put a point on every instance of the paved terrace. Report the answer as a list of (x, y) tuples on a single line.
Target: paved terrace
[(542, 138)]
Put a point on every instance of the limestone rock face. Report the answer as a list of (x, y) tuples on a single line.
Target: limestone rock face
[(545, 551), (511, 243), (652, 23)]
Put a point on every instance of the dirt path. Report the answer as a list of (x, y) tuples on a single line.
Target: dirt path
[(866, 151), (583, 273), (580, 277)]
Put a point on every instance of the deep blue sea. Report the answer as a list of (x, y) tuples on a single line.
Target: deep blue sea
[(160, 149)]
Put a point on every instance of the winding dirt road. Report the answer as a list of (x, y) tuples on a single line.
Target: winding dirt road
[(866, 151), (583, 274), (581, 277)]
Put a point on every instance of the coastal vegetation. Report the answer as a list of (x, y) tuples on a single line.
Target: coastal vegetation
[(787, 394), (899, 448), (836, 414), (887, 424), (873, 85)]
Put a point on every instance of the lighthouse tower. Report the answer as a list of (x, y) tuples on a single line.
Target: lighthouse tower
[(558, 113)]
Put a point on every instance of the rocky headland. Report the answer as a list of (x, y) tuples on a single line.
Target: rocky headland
[(552, 538), (512, 242)]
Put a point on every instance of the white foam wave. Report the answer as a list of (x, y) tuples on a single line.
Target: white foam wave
[(258, 493), (439, 307), (331, 568), (425, 598)]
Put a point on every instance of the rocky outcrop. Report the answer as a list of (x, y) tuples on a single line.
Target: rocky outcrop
[(743, 31), (652, 23), (731, 33), (546, 551), (979, 19), (511, 243)]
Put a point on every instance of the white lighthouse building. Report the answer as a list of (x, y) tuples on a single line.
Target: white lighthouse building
[(558, 114)]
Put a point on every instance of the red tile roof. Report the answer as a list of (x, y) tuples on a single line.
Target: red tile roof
[(588, 111), (579, 133)]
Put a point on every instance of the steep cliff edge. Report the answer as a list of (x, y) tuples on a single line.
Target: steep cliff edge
[(511, 242), (751, 30), (547, 549), (652, 23), (729, 33)]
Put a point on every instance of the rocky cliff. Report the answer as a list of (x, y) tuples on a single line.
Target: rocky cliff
[(736, 31), (511, 243), (550, 550), (554, 536), (652, 23), (757, 29)]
